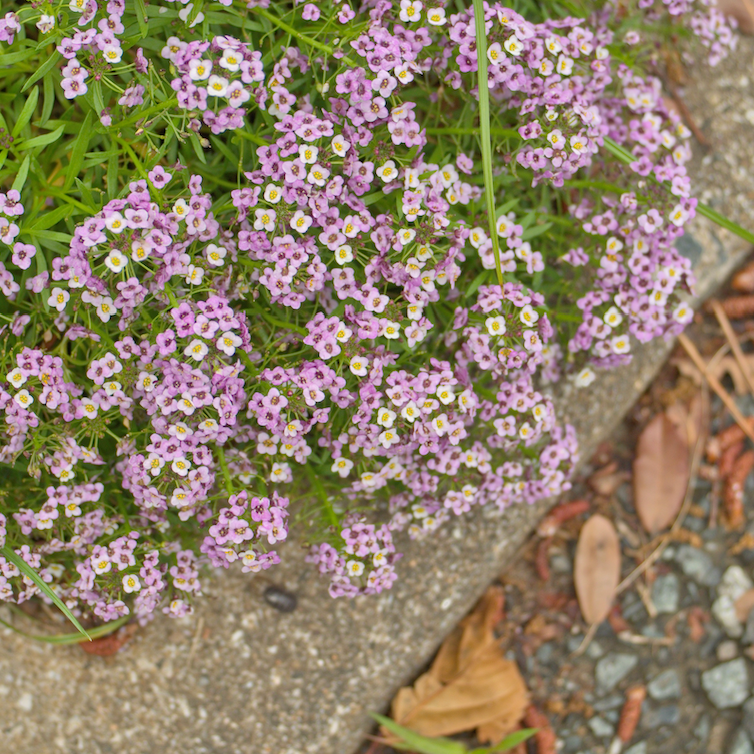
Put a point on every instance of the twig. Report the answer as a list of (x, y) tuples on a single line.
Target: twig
[(587, 640), (714, 383), (629, 638), (646, 598), (693, 471), (735, 346)]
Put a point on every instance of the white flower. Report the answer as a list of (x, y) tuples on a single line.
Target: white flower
[(354, 568), (477, 237), (683, 314), (564, 66), (23, 398), (145, 382), (46, 23), (115, 222), (228, 342), (265, 220), (196, 350), (217, 86), (318, 175), (194, 275), (16, 377), (525, 431), (300, 221), (181, 466), (620, 344), (343, 333), (131, 583), (153, 464), (391, 330), (385, 417), (112, 53), (358, 366), (344, 254), (58, 298), (199, 70), (613, 317), (79, 6), (387, 172), (539, 412), (230, 61), (503, 225), (514, 46), (186, 12), (273, 194), (116, 261), (410, 11), (445, 394), (106, 309), (101, 564), (579, 144), (340, 146), (678, 215), (585, 377), (410, 412), (89, 408), (112, 387), (406, 236), (495, 325), (552, 45), (528, 315), (215, 255), (308, 154), (388, 438), (436, 16)]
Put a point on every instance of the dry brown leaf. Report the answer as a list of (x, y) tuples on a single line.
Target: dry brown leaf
[(596, 568), (470, 684), (743, 12), (744, 604), (605, 481), (727, 365), (743, 280), (661, 473), (106, 646)]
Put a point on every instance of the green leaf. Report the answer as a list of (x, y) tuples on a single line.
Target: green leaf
[(141, 17), (419, 743), (78, 151), (48, 87), (48, 65), (11, 58), (112, 176), (48, 219), (510, 742), (26, 112), (23, 171), (43, 139), (27, 570)]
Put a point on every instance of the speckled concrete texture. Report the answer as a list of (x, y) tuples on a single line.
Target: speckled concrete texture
[(239, 677)]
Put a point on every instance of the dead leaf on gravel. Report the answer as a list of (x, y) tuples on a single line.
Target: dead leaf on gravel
[(743, 12), (661, 473), (605, 481), (596, 568), (469, 685), (106, 646), (744, 604)]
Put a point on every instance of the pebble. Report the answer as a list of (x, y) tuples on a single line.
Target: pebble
[(701, 731), (601, 728), (655, 717), (748, 716), (594, 651), (561, 563), (25, 702), (697, 565), (544, 653), (640, 748), (734, 583), (666, 592), (609, 702), (667, 685), (727, 684), (727, 650), (724, 611), (741, 744), (613, 668), (749, 632)]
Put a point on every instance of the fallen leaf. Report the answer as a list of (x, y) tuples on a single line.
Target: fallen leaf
[(605, 481), (744, 604), (470, 683), (596, 568), (661, 473), (743, 12), (106, 646)]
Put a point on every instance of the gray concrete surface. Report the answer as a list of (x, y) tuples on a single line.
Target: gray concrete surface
[(239, 677)]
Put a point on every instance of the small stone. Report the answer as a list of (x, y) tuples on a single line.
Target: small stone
[(652, 717), (544, 653), (748, 637), (727, 650), (727, 684), (574, 642), (572, 744), (25, 702), (640, 748), (740, 743), (748, 716), (697, 565), (561, 563), (613, 668), (701, 731), (667, 685), (724, 612), (594, 651), (665, 593), (601, 728), (609, 702), (734, 583), (652, 631)]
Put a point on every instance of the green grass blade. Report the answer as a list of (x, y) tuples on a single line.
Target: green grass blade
[(78, 151), (486, 136), (27, 570), (419, 743), (62, 639), (512, 741), (26, 112), (703, 209)]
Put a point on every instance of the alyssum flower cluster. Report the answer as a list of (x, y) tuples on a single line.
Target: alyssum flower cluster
[(345, 324)]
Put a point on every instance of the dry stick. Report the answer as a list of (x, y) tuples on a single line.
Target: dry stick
[(735, 346), (655, 554), (714, 383)]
